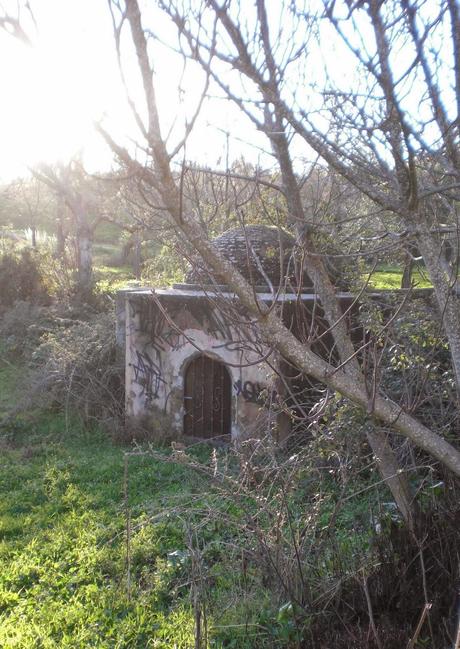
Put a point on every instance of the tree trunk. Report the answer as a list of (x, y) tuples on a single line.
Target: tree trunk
[(346, 380), (84, 238), (445, 289), (34, 235), (327, 292), (85, 267), (60, 229), (394, 478), (406, 280), (137, 256)]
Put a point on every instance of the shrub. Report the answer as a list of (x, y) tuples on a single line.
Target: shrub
[(21, 278), (164, 269), (22, 327), (77, 368)]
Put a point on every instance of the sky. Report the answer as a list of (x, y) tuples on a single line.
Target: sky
[(54, 91)]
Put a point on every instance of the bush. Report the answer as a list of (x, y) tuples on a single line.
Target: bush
[(76, 368), (23, 326), (165, 268), (21, 278)]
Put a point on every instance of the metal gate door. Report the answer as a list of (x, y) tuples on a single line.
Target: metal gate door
[(207, 398)]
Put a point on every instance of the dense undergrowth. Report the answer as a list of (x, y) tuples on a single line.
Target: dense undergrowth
[(105, 542), (132, 547)]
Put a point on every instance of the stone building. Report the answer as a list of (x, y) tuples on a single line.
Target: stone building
[(190, 354)]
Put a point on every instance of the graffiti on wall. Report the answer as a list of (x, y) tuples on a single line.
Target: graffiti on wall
[(169, 339), (253, 392), (153, 323), (216, 326), (250, 391), (148, 375), (165, 336)]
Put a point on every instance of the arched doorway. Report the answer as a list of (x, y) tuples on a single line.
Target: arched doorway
[(207, 398)]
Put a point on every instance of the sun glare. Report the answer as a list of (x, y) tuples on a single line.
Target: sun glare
[(53, 92)]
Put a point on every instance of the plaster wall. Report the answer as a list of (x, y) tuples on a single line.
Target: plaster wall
[(156, 361)]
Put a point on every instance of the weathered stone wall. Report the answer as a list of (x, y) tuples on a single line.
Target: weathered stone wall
[(161, 339)]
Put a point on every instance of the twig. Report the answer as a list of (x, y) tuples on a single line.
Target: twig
[(413, 640), (371, 613), (457, 640)]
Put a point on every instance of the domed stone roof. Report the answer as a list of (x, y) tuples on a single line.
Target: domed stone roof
[(260, 253)]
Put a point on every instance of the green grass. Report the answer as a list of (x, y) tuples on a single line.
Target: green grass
[(390, 278), (112, 278), (63, 575), (103, 251), (63, 554), (109, 277), (63, 559), (63, 551)]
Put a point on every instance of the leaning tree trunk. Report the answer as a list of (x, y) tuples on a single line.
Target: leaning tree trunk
[(346, 379), (385, 457), (391, 472)]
